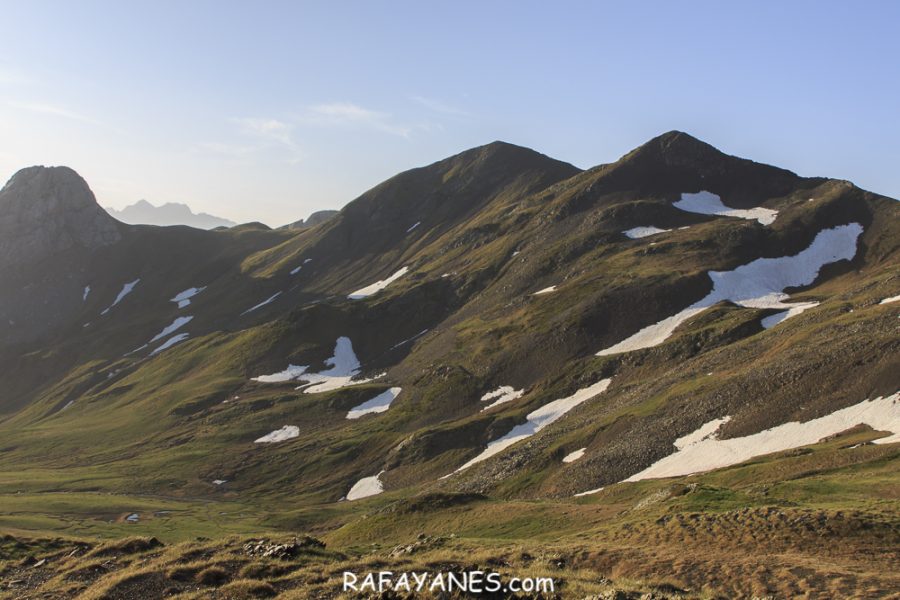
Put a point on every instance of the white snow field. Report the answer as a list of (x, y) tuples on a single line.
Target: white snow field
[(504, 393), (707, 203), (126, 289), (636, 233), (279, 435), (889, 300), (546, 290), (177, 324), (291, 372), (261, 304), (376, 287), (170, 342), (183, 299), (365, 487), (344, 367), (757, 284), (539, 419), (703, 451), (573, 456), (378, 404)]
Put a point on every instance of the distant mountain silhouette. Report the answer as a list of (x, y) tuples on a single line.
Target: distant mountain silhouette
[(171, 213)]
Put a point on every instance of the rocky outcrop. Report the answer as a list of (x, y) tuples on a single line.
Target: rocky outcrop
[(318, 217), (48, 210)]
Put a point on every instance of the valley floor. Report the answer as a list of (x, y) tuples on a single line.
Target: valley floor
[(798, 524)]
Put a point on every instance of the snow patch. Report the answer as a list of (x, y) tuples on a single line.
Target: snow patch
[(261, 304), (707, 203), (796, 309), (538, 420), (378, 404), (292, 372), (183, 299), (703, 451), (87, 290), (365, 487), (377, 286), (589, 492), (170, 342), (219, 481), (126, 289), (344, 367), (408, 340), (641, 232), (279, 435), (706, 431), (889, 300), (504, 393), (546, 290), (757, 284), (296, 270), (416, 224), (572, 457), (177, 324)]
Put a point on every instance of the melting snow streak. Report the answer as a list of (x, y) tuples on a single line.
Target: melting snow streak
[(703, 451), (126, 289), (377, 286), (378, 404), (170, 342), (758, 284), (365, 487), (504, 393), (707, 203), (640, 232), (184, 298), (279, 435), (261, 304), (539, 419)]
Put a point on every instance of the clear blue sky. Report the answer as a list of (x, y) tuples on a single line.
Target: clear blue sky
[(269, 110)]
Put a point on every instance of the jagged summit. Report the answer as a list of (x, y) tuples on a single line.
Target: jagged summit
[(46, 210), (678, 160)]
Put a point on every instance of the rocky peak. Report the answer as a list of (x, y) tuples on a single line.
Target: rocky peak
[(47, 210), (316, 218)]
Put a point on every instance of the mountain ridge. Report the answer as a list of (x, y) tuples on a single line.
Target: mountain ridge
[(443, 339), (143, 212)]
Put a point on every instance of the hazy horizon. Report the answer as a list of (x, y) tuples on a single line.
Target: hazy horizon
[(269, 114)]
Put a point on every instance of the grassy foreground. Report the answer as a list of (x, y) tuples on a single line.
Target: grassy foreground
[(816, 522)]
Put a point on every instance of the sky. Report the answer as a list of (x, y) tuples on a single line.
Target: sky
[(267, 111)]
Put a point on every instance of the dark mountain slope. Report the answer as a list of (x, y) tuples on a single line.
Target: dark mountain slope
[(416, 208)]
